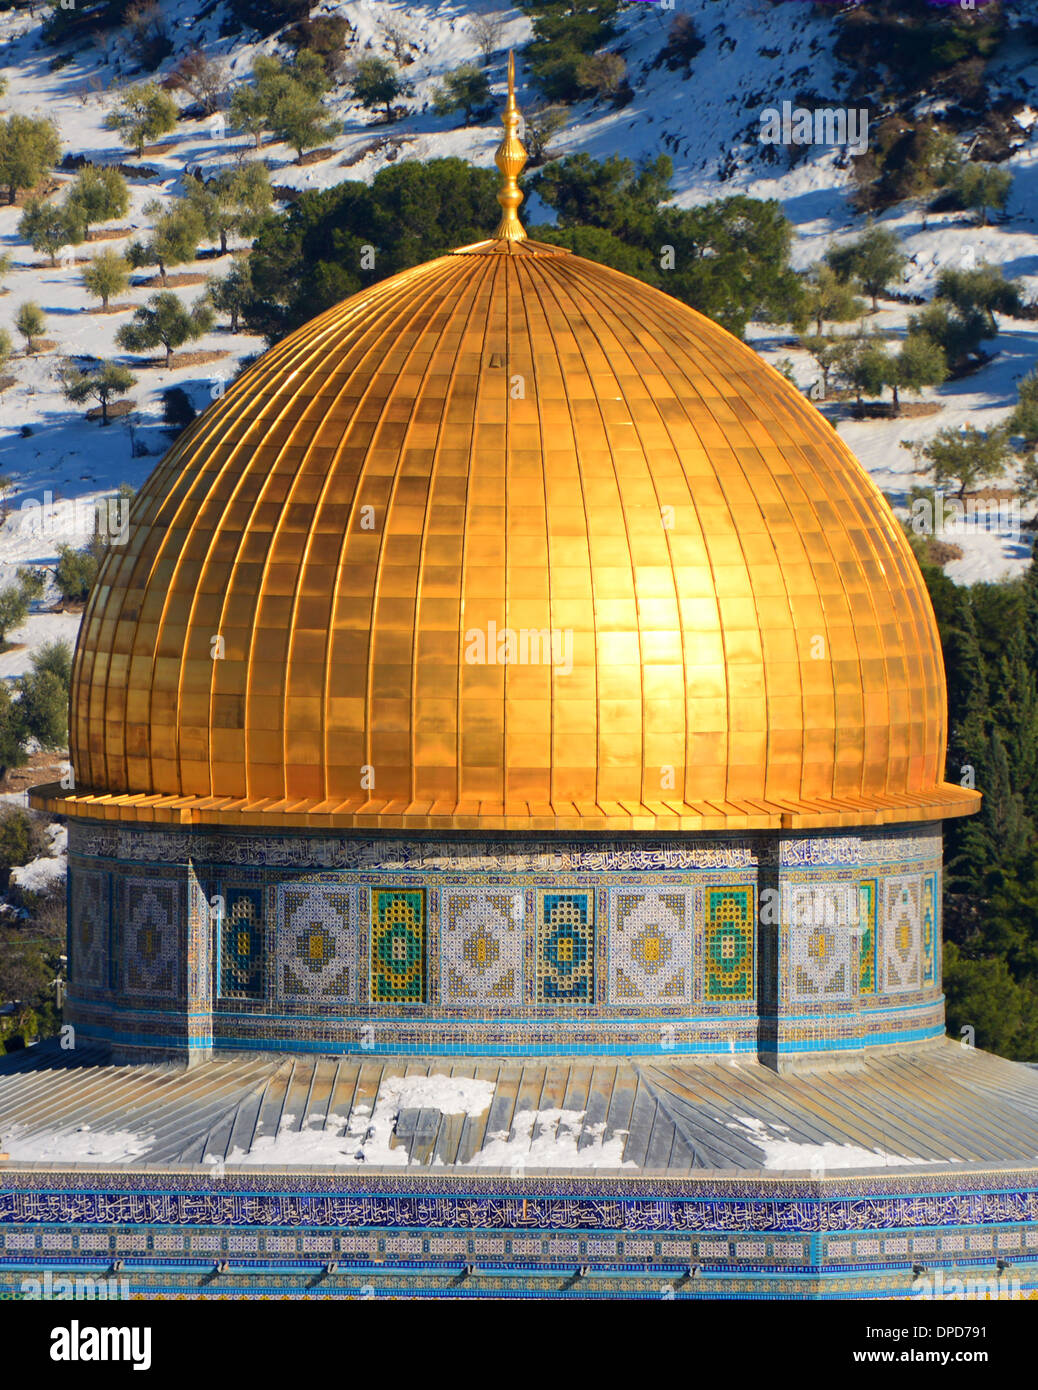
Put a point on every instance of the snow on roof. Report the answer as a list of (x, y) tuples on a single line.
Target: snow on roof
[(454, 1118)]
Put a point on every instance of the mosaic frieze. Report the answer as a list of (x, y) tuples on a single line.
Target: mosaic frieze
[(737, 1207), (859, 849), (501, 957), (482, 947), (650, 946), (417, 856)]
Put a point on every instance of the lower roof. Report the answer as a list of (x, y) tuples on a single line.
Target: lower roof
[(941, 1105)]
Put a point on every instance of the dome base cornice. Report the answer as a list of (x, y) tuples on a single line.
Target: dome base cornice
[(943, 802)]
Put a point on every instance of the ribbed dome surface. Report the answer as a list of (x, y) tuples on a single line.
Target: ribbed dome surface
[(511, 437)]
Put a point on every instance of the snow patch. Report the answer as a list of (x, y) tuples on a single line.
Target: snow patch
[(452, 1095), (537, 1139), (43, 875), (788, 1153), (366, 1138), (549, 1139), (39, 875), (79, 1145)]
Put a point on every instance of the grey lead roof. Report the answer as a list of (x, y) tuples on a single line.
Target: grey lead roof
[(943, 1105)]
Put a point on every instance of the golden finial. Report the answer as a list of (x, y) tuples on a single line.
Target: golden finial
[(511, 160)]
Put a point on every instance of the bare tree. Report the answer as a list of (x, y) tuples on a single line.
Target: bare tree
[(487, 30), (398, 41), (542, 123), (201, 77)]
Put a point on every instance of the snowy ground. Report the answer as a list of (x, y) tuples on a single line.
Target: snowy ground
[(47, 873), (758, 54)]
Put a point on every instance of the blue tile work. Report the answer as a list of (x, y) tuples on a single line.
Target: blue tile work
[(930, 937), (557, 946), (482, 940), (89, 913), (566, 948), (748, 1238), (316, 954), (867, 906), (151, 915), (651, 936), (241, 942)]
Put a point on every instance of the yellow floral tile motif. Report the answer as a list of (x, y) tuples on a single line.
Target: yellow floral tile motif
[(867, 902), (729, 942), (482, 936), (566, 947), (650, 946), (398, 945)]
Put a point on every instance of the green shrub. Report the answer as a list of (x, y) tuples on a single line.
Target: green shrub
[(44, 707), (75, 572), (177, 410), (12, 731), (564, 33), (22, 839)]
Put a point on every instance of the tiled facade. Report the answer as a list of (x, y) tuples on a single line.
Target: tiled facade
[(782, 946), (869, 1237)]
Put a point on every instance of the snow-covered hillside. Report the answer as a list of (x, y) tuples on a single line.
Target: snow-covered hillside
[(757, 54)]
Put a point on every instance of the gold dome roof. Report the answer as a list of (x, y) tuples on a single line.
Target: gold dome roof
[(510, 540), (510, 437)]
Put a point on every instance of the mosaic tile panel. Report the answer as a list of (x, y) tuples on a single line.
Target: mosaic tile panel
[(820, 942), (200, 945), (115, 949), (729, 942), (316, 943), (398, 945), (540, 947), (929, 928), (241, 943), (566, 947), (650, 946), (902, 954), (150, 912), (482, 936), (483, 852), (88, 933), (867, 904)]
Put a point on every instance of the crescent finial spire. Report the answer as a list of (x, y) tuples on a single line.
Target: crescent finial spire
[(511, 160)]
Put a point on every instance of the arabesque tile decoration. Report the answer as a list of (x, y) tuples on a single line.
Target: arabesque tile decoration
[(740, 1238), (477, 944)]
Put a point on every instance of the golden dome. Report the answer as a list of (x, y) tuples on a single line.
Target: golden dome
[(510, 540)]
